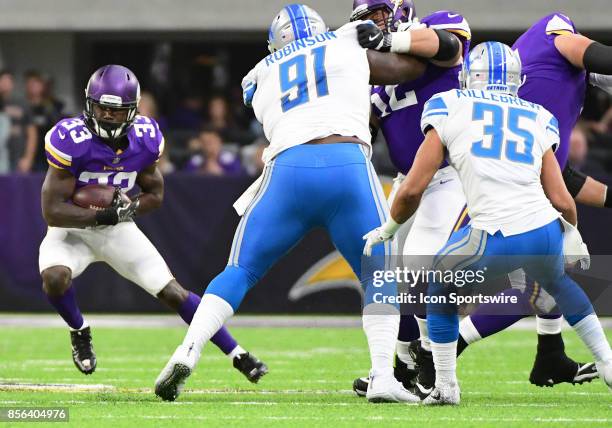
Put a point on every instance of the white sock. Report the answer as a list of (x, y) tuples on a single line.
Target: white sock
[(236, 351), (210, 316), (381, 328), (85, 325), (445, 362), (590, 331), (425, 344), (403, 353), (468, 331), (549, 326)]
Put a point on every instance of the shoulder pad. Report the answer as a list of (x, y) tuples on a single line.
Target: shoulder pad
[(67, 140), (449, 21), (559, 24), (146, 132)]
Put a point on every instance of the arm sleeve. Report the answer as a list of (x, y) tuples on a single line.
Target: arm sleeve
[(435, 115), (550, 125)]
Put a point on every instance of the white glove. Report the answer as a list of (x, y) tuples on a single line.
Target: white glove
[(574, 249), (379, 235), (249, 86)]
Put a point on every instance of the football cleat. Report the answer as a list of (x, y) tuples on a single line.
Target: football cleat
[(250, 366), (360, 386), (425, 365), (554, 368), (605, 371), (171, 380), (83, 353), (444, 395), (401, 372), (408, 377), (384, 388)]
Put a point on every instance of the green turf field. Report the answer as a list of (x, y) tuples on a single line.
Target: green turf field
[(311, 371)]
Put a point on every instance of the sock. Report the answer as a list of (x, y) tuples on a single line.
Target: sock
[(425, 344), (461, 345), (222, 339), (381, 332), (66, 306), (235, 352), (403, 353), (590, 331), (210, 316), (468, 331), (549, 324), (408, 328), (445, 362), (408, 331)]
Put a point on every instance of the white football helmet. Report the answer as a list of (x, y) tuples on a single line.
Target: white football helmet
[(492, 66), (293, 22)]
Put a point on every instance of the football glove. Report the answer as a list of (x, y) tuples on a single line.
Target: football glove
[(574, 249), (372, 37)]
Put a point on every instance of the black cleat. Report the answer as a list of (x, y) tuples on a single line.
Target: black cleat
[(402, 373), (425, 365), (250, 366), (360, 386), (552, 366), (552, 369), (83, 353)]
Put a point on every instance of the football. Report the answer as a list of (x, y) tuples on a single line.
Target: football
[(95, 196)]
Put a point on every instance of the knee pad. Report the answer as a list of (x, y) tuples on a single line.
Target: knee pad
[(232, 285)]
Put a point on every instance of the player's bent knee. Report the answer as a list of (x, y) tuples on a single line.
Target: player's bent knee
[(232, 285), (56, 280), (173, 295)]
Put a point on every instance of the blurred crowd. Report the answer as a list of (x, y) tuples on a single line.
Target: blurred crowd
[(218, 136), (202, 136)]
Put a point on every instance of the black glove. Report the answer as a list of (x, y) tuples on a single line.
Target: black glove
[(372, 37), (119, 211)]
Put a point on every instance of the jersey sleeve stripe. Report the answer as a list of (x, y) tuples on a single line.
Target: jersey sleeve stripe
[(435, 113), (56, 151), (54, 165), (56, 156), (554, 130), (559, 32)]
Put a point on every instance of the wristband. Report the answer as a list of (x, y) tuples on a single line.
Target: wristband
[(107, 217), (401, 42), (390, 226)]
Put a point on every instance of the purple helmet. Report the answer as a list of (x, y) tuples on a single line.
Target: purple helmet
[(114, 87), (399, 10)]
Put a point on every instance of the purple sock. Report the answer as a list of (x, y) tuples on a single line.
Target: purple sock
[(222, 339), (491, 318), (408, 329), (66, 306)]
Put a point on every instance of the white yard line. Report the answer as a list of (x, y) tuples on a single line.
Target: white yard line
[(156, 321)]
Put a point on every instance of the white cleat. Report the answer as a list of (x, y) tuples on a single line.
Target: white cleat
[(384, 388), (605, 372), (444, 395), (171, 380)]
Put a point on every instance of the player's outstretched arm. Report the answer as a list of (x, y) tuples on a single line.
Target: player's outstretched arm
[(57, 211), (392, 69), (441, 46), (555, 189), (151, 182)]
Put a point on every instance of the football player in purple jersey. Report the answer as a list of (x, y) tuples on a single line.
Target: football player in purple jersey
[(110, 144), (443, 38), (558, 63)]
